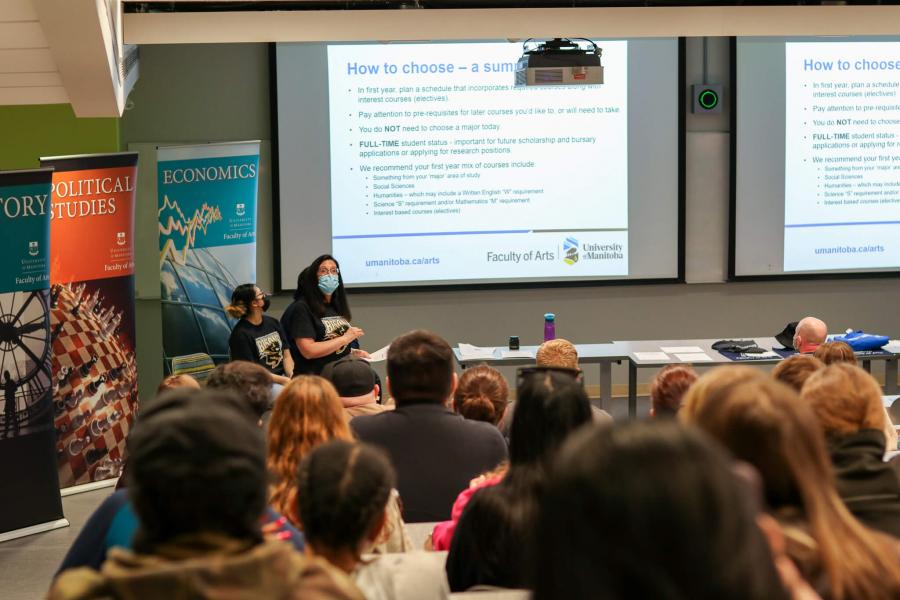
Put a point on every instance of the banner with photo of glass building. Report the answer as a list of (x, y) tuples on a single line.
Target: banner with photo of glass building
[(30, 501), (207, 196), (92, 313)]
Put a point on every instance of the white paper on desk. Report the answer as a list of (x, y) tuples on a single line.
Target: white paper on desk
[(693, 357), (682, 349), (892, 346), (516, 354), (379, 355), (766, 354), (468, 351), (651, 356)]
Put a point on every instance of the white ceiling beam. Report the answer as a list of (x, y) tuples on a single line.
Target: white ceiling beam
[(81, 42), (438, 24), (22, 34), (27, 61)]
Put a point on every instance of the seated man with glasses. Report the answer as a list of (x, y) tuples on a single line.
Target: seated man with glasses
[(435, 451)]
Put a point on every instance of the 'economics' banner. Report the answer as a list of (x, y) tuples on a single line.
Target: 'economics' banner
[(30, 494), (207, 246), (92, 312)]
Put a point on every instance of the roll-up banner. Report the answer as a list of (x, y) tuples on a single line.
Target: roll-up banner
[(207, 246), (30, 499), (92, 313)]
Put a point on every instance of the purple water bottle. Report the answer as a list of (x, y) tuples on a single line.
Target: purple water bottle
[(549, 327)]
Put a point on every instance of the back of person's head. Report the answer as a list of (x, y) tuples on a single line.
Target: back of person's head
[(649, 510), (250, 381), (668, 389), (836, 352), (172, 382), (795, 370), (549, 406), (844, 399), (420, 368), (557, 353), (810, 331), (709, 383), (352, 377), (482, 394), (343, 489), (764, 423), (197, 464), (307, 413)]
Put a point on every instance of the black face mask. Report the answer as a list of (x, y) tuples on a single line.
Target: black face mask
[(266, 303)]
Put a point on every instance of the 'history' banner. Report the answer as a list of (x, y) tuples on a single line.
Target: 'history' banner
[(92, 312), (207, 246), (30, 500)]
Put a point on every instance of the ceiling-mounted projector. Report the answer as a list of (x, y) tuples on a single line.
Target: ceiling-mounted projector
[(559, 61)]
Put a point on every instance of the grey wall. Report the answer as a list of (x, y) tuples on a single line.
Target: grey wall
[(213, 92)]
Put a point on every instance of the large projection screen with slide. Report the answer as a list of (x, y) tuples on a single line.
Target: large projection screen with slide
[(423, 165), (817, 157)]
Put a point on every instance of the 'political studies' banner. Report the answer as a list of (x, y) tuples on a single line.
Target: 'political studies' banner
[(207, 246), (27, 463), (92, 312)]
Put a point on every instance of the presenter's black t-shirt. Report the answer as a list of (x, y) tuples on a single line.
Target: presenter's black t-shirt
[(304, 324), (263, 344)]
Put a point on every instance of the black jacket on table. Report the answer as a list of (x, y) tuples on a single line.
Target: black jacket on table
[(435, 452), (869, 486)]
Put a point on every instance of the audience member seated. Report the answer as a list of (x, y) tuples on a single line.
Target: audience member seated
[(177, 381), (356, 384), (764, 423), (668, 388), (308, 413), (710, 384), (435, 451), (651, 510), (114, 522), (248, 380), (344, 491), (560, 353), (809, 335), (494, 535), (482, 394), (796, 369), (198, 485), (847, 402), (834, 352)]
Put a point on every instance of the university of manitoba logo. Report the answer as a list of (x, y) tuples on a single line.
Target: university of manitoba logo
[(33, 248), (120, 238), (239, 209), (570, 251)]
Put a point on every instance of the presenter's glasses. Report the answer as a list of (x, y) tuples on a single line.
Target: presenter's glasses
[(322, 272)]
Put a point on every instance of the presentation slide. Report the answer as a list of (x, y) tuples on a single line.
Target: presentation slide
[(839, 207), (441, 170)]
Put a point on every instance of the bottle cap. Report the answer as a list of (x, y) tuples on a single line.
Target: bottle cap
[(549, 316)]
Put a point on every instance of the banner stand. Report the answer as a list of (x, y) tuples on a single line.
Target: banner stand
[(26, 531), (88, 487)]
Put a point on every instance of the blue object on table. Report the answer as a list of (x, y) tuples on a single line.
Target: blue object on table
[(859, 340)]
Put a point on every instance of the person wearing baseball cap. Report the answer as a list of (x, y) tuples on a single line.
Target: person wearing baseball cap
[(356, 384)]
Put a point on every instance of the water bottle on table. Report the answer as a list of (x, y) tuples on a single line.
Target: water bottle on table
[(549, 327)]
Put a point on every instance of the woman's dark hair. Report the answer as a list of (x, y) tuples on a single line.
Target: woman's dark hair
[(482, 394), (241, 298), (309, 289), (549, 406), (494, 539), (298, 293), (649, 510), (343, 489), (197, 464)]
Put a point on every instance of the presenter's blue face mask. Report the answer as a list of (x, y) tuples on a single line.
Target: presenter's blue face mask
[(328, 283)]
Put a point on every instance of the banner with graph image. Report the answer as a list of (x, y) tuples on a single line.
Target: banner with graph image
[(30, 499), (207, 246), (92, 312)]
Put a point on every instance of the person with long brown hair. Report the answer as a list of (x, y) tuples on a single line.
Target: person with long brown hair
[(835, 352), (847, 403), (308, 412), (764, 423)]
